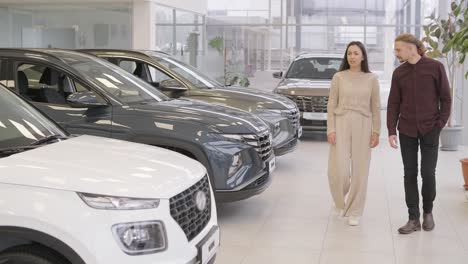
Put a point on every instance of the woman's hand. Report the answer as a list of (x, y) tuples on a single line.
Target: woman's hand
[(374, 140), (332, 138)]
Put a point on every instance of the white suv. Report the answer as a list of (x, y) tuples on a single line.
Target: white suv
[(97, 200)]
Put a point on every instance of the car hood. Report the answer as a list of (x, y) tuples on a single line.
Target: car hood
[(251, 99), (303, 87), (221, 118), (103, 166)]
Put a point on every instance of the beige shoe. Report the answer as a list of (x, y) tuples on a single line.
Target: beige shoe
[(353, 220), (337, 211)]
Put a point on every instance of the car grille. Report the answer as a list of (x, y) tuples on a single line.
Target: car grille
[(262, 144), (293, 116), (185, 212), (316, 104)]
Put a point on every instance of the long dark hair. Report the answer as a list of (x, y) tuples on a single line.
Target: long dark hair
[(364, 64)]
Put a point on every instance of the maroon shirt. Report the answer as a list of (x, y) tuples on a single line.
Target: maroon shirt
[(419, 98)]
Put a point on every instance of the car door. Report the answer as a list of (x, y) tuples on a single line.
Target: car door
[(48, 87)]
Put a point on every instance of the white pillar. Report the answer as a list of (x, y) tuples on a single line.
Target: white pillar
[(389, 38), (144, 24)]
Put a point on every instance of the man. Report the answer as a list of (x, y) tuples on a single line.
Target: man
[(419, 104)]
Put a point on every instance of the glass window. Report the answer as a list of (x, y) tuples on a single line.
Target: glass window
[(66, 25), (111, 78), (128, 66), (191, 74), (21, 124), (314, 68), (183, 17), (40, 83), (164, 15), (157, 76)]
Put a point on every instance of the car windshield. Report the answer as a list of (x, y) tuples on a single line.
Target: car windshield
[(188, 72), (314, 68), (114, 80), (21, 124)]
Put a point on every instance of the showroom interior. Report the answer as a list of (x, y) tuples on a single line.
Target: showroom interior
[(176, 131)]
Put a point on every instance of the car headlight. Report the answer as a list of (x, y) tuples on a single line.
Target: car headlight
[(283, 113), (139, 238), (249, 139), (239, 137), (236, 164), (105, 202)]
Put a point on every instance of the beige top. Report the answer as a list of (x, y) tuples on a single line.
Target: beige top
[(354, 91)]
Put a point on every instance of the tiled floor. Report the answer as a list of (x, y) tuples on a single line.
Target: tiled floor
[(293, 221)]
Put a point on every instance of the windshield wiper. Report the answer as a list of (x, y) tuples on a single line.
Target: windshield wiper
[(47, 139), (4, 152)]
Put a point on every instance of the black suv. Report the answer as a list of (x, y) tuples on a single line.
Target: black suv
[(176, 79), (87, 95)]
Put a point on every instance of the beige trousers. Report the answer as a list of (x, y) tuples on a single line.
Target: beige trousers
[(348, 162)]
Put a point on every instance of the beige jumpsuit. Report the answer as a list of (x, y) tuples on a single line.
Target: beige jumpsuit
[(353, 113)]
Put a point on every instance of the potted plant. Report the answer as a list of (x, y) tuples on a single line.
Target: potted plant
[(234, 72), (448, 39)]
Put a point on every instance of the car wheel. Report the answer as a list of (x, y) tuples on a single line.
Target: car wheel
[(31, 255)]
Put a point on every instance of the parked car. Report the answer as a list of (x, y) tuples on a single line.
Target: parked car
[(86, 199), (87, 95), (179, 80), (307, 82)]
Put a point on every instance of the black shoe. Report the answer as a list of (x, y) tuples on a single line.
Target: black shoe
[(410, 227), (428, 222)]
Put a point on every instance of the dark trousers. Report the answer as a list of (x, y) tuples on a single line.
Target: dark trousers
[(429, 144)]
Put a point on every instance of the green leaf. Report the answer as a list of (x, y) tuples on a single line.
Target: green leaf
[(462, 58), (426, 30), (434, 54), (456, 12), (433, 44), (436, 33), (448, 46), (433, 27)]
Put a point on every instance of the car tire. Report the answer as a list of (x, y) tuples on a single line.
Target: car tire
[(31, 255)]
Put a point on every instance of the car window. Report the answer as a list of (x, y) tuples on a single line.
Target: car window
[(111, 78), (157, 75), (191, 74), (128, 66), (40, 83), (20, 123), (314, 68), (8, 83)]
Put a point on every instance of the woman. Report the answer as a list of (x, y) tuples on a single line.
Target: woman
[(353, 128)]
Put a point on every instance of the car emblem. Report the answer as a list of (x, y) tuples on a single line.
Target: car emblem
[(201, 200)]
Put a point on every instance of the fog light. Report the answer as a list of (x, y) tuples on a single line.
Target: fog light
[(141, 237), (236, 164), (277, 128)]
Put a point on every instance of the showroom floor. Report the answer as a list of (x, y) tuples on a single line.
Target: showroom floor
[(293, 221)]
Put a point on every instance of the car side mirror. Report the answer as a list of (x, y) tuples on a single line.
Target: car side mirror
[(84, 99), (172, 85), (278, 75)]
